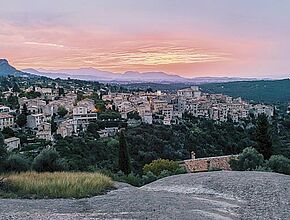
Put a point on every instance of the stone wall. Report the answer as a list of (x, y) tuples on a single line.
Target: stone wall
[(208, 163)]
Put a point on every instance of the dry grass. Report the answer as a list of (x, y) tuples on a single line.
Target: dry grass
[(55, 185)]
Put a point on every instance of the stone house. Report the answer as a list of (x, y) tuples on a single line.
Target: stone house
[(66, 128), (6, 120), (34, 120), (44, 131), (12, 143)]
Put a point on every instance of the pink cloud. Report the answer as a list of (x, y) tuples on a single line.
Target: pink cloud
[(186, 53)]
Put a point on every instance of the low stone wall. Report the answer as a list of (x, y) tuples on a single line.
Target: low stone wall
[(208, 163)]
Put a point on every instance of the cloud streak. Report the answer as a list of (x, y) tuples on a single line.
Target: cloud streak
[(44, 44)]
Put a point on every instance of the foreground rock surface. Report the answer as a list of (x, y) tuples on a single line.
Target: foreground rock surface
[(213, 195)]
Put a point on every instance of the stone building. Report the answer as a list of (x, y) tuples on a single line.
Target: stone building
[(207, 163), (66, 128), (34, 120), (6, 120), (12, 143), (44, 131)]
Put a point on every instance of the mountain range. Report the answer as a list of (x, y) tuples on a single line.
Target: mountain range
[(127, 77), (92, 74)]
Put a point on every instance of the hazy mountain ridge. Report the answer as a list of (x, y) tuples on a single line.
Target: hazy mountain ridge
[(92, 74), (127, 77)]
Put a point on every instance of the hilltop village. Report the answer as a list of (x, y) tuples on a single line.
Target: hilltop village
[(168, 108), (47, 111), (76, 125)]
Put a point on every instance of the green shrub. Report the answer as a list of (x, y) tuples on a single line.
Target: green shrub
[(16, 163), (149, 177), (180, 170), (214, 169), (263, 169), (164, 173), (133, 179), (279, 164), (157, 166), (249, 159), (48, 160)]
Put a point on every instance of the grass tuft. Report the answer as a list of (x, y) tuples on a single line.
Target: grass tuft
[(54, 185)]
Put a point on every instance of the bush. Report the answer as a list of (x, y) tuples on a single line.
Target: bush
[(56, 185), (16, 163), (164, 173), (133, 179), (263, 169), (48, 160), (149, 177), (180, 170), (157, 166), (249, 159), (279, 164)]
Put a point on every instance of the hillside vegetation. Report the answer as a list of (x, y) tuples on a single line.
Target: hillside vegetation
[(268, 91)]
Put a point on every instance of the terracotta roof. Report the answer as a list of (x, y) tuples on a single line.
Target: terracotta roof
[(204, 164), (5, 115)]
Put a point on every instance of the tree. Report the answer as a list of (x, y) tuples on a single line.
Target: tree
[(62, 111), (53, 125), (16, 88), (24, 109), (48, 160), (21, 120), (109, 115), (61, 91), (279, 164), (157, 166), (92, 130), (1, 140), (134, 115), (124, 159), (249, 159), (80, 95), (12, 102), (263, 136), (3, 152), (100, 105), (16, 163), (8, 132)]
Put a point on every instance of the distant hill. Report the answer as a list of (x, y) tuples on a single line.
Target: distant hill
[(50, 75), (98, 75), (267, 91), (6, 69), (127, 77), (164, 87)]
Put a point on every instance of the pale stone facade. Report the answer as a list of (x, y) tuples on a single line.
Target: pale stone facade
[(12, 143), (34, 120), (6, 120)]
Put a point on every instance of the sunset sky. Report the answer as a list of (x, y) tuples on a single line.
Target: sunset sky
[(247, 38)]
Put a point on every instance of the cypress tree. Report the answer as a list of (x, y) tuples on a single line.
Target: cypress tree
[(263, 136), (24, 109), (124, 159)]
